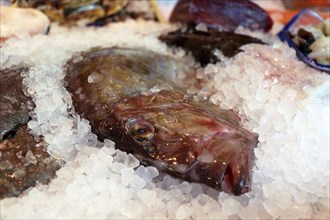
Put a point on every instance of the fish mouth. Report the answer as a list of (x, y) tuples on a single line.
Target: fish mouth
[(237, 177)]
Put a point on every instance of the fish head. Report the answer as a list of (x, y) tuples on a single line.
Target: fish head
[(184, 140), (237, 156)]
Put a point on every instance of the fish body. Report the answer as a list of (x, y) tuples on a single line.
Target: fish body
[(202, 45), (24, 160), (128, 98), (15, 106)]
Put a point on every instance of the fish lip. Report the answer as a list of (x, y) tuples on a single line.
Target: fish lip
[(231, 169), (237, 177)]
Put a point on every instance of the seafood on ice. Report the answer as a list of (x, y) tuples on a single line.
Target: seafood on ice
[(127, 98)]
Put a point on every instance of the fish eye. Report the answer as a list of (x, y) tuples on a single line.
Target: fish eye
[(139, 130)]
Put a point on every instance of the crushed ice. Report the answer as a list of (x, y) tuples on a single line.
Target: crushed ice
[(291, 116)]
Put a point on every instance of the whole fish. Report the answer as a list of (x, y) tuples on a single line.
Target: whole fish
[(127, 96), (202, 44)]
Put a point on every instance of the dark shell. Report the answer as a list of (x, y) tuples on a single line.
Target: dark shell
[(228, 14), (163, 127), (181, 12), (299, 20)]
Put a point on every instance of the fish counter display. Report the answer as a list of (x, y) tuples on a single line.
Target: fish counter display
[(165, 122)]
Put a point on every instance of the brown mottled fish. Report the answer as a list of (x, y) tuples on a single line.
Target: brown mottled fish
[(128, 98)]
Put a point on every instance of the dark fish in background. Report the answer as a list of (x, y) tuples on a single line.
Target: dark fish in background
[(202, 45), (128, 98), (220, 18), (24, 160)]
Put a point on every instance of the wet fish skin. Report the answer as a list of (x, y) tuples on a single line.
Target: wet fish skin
[(24, 160), (163, 127), (15, 106)]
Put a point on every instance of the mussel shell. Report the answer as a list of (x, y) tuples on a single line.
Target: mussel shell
[(304, 17)]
